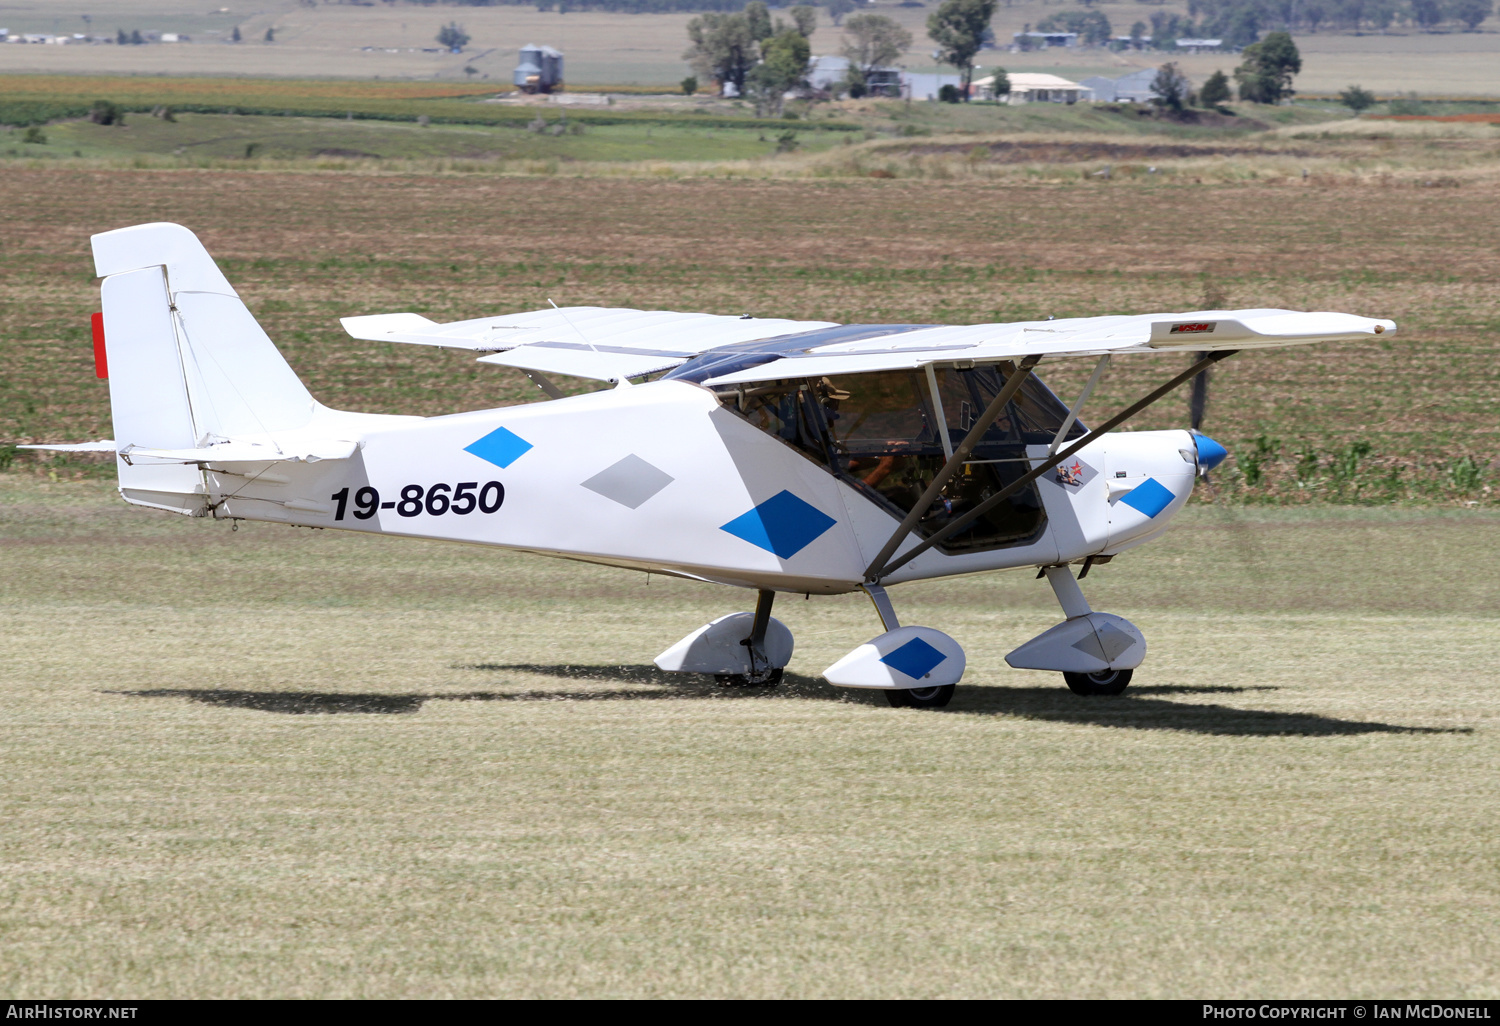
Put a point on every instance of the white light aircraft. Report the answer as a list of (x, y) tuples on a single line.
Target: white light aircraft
[(782, 456)]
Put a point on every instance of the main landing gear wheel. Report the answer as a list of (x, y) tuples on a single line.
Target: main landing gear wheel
[(767, 679), (1105, 682), (921, 698)]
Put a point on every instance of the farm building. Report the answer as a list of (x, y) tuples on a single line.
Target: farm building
[(926, 87), (1132, 88), (540, 70), (830, 74), (1202, 45), (1028, 87), (1043, 40)]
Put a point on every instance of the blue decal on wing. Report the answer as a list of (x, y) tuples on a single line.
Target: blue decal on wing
[(783, 525), (916, 658), (1150, 497), (502, 447)]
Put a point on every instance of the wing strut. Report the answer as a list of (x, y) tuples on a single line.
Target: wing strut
[(1013, 381), (1083, 397), (880, 569)]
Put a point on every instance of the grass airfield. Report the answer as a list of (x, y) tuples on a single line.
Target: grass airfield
[(279, 762)]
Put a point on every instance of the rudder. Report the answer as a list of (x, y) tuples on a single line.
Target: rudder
[(189, 365)]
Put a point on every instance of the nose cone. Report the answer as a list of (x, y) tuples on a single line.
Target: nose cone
[(1210, 452)]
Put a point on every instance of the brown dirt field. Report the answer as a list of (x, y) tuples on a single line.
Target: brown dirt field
[(305, 249)]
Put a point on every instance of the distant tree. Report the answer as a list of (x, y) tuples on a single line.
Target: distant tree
[(1428, 13), (1001, 86), (1357, 99), (1169, 89), (271, 35), (34, 134), (804, 20), (855, 83), (1469, 12), (759, 17), (948, 93), (103, 112), (1215, 90), (783, 67), (1137, 34), (234, 37), (1093, 27), (689, 85), (469, 70), (1265, 76), (453, 37), (1240, 26), (723, 48), (135, 38), (958, 28), (122, 37), (873, 41), (837, 9)]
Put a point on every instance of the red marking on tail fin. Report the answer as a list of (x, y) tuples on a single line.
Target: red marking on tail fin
[(101, 363)]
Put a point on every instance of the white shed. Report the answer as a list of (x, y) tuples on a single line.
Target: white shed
[(1029, 87)]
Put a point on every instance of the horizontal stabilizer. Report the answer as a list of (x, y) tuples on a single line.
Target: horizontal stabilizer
[(247, 452), (103, 445)]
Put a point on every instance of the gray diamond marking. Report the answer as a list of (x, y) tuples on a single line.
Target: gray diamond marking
[(1114, 641), (629, 482), (1089, 645)]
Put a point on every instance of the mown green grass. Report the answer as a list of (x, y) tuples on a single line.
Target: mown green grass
[(39, 99), (291, 763), (219, 138)]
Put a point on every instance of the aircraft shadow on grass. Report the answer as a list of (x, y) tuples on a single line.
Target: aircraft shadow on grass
[(1138, 709)]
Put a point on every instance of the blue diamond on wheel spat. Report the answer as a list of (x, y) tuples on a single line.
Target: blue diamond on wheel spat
[(783, 525), (916, 658), (502, 447)]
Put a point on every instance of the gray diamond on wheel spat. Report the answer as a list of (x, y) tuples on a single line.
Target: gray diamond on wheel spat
[(629, 482)]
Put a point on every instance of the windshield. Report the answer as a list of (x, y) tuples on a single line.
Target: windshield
[(883, 433)]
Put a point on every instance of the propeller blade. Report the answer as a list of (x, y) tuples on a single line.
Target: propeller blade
[(1198, 404)]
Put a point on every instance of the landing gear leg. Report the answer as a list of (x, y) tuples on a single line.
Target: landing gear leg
[(762, 673), (1070, 597)]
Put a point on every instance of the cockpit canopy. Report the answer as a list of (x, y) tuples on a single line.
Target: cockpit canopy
[(884, 434)]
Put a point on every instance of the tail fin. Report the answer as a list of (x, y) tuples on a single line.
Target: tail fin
[(189, 366)]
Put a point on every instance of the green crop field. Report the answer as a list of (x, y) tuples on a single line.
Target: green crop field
[(1408, 418)]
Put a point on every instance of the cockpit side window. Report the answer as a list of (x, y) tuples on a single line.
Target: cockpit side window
[(882, 433)]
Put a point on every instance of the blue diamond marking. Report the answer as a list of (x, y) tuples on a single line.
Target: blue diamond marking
[(502, 447), (1150, 497), (783, 525), (916, 658)]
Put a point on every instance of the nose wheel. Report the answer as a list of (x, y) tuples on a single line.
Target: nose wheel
[(1105, 682)]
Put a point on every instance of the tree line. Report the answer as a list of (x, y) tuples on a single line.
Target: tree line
[(1237, 22)]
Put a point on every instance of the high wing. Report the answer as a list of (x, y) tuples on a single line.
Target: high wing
[(1198, 331), (612, 344), (582, 341)]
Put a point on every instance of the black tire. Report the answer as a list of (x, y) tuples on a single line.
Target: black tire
[(921, 698), (741, 680), (1105, 682)]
